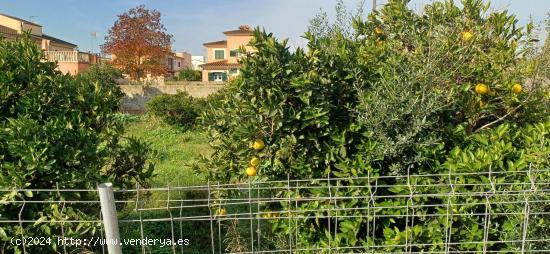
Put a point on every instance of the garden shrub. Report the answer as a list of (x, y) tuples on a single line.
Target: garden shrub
[(102, 73), (177, 109), (408, 93), (57, 131), (185, 111), (189, 75), (213, 102)]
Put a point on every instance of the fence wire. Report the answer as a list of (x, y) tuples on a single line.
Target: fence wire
[(470, 212)]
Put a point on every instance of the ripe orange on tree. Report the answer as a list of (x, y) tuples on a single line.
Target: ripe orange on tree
[(251, 171), (258, 145), (255, 161)]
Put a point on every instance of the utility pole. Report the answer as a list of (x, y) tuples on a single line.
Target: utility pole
[(93, 36), (373, 5)]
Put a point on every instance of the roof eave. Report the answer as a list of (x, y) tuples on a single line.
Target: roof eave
[(49, 37), (215, 43), (21, 20), (238, 32)]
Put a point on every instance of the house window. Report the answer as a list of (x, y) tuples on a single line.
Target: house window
[(217, 76), (233, 53), (179, 64), (219, 54), (170, 63), (233, 71)]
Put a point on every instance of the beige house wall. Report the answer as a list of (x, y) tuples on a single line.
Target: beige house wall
[(210, 57), (35, 30), (19, 26), (234, 42), (185, 59), (11, 23), (72, 68)]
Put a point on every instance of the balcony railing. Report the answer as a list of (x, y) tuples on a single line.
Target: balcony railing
[(67, 56)]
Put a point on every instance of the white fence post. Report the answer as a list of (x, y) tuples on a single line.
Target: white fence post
[(110, 221)]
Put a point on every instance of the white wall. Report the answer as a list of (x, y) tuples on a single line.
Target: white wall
[(196, 61)]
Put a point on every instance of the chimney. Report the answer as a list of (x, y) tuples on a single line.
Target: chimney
[(245, 28)]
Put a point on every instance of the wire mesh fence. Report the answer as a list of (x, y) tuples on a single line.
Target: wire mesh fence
[(469, 212)]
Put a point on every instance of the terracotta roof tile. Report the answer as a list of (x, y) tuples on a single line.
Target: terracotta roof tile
[(219, 64)]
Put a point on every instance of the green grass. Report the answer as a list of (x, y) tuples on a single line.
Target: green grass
[(177, 150)]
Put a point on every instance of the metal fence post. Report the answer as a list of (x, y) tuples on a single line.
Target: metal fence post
[(110, 221)]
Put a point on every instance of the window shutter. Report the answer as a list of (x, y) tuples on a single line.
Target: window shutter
[(210, 76), (224, 76)]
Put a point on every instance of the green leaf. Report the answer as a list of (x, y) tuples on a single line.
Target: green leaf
[(3, 234)]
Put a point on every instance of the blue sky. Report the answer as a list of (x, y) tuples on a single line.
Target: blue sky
[(193, 22)]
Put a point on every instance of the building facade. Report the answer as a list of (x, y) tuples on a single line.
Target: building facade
[(66, 54), (177, 61), (222, 57), (197, 61)]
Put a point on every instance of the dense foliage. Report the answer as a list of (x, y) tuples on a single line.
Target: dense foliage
[(57, 131), (102, 73), (544, 57), (139, 42), (189, 75), (447, 91), (177, 109), (185, 111)]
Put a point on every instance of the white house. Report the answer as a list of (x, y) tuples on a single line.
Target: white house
[(196, 61)]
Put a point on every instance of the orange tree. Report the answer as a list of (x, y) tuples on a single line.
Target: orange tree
[(446, 91), (58, 132)]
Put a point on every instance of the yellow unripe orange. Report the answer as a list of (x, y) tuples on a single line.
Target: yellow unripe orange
[(258, 145), (221, 211), (481, 88), (378, 30), (255, 161), (517, 88), (251, 171), (467, 36)]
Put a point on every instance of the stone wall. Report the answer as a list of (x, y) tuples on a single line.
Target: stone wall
[(135, 96)]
